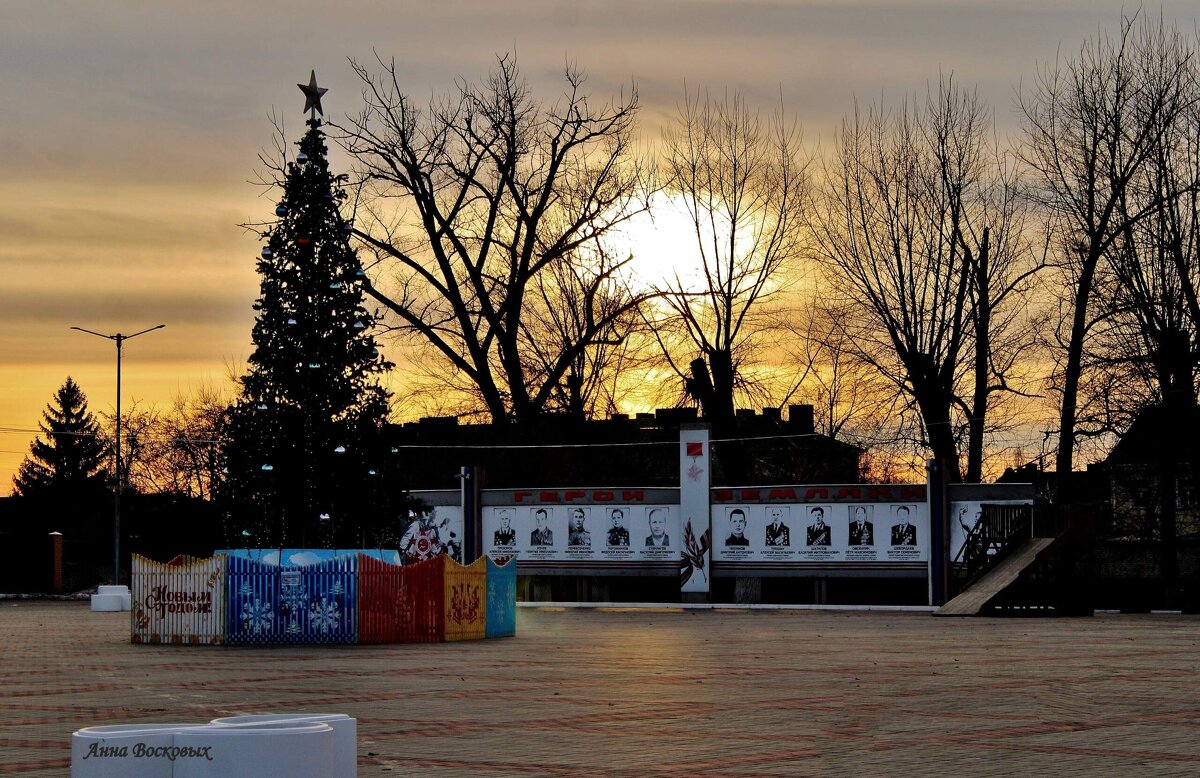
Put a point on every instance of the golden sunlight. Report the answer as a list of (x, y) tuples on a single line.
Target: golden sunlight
[(662, 242)]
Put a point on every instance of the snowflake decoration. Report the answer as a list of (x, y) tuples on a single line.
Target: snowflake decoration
[(293, 596), (325, 615), (257, 616), (338, 588), (246, 589)]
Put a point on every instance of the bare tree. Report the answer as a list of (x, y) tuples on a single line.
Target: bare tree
[(742, 183), (848, 394), (1093, 124), (480, 205), (194, 428), (175, 451), (918, 228), (142, 446), (571, 296), (1155, 262)]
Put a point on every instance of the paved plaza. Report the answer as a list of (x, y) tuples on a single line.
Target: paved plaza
[(634, 692)]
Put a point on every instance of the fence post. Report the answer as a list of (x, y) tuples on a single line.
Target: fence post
[(57, 563), (939, 535), (471, 499)]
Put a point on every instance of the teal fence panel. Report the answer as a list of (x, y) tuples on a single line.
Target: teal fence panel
[(501, 598)]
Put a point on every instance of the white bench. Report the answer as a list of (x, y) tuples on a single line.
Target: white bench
[(269, 746)]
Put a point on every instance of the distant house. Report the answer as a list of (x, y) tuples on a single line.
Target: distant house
[(556, 451), (1156, 456)]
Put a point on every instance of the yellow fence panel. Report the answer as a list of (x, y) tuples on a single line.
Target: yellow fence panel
[(466, 600)]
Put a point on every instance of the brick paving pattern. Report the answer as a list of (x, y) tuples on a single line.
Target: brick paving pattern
[(631, 693)]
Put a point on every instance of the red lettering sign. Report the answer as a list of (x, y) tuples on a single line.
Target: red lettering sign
[(520, 496), (632, 495)]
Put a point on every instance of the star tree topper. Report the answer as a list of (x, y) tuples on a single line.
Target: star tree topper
[(312, 95)]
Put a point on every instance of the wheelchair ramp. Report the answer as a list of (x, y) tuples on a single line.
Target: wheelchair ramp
[(994, 581)]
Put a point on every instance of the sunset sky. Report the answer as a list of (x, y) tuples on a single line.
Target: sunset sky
[(129, 133)]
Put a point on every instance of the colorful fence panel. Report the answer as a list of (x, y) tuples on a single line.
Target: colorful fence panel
[(381, 588), (422, 615), (320, 601), (181, 602), (350, 599), (466, 600), (501, 598), (401, 604), (252, 599), (315, 603)]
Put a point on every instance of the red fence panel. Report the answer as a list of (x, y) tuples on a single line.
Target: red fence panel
[(422, 610), (401, 604), (380, 588)]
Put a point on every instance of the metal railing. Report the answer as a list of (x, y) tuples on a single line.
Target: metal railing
[(1000, 529)]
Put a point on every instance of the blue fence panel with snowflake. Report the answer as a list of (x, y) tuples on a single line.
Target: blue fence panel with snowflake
[(320, 602), (315, 603), (252, 602), (501, 598)]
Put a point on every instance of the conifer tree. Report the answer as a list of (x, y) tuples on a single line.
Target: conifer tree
[(305, 447), (68, 455)]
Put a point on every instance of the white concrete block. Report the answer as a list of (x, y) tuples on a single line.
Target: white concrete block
[(345, 734), (291, 750), (123, 750), (262, 746), (111, 598)]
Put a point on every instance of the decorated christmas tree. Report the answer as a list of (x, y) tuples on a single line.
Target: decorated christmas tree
[(304, 456)]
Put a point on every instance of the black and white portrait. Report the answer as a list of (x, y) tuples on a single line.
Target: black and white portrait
[(818, 533), (618, 533), (862, 529), (506, 535), (657, 518), (778, 533), (577, 534), (541, 535), (904, 532), (737, 528)]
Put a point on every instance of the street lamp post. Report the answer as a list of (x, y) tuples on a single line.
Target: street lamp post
[(118, 338)]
